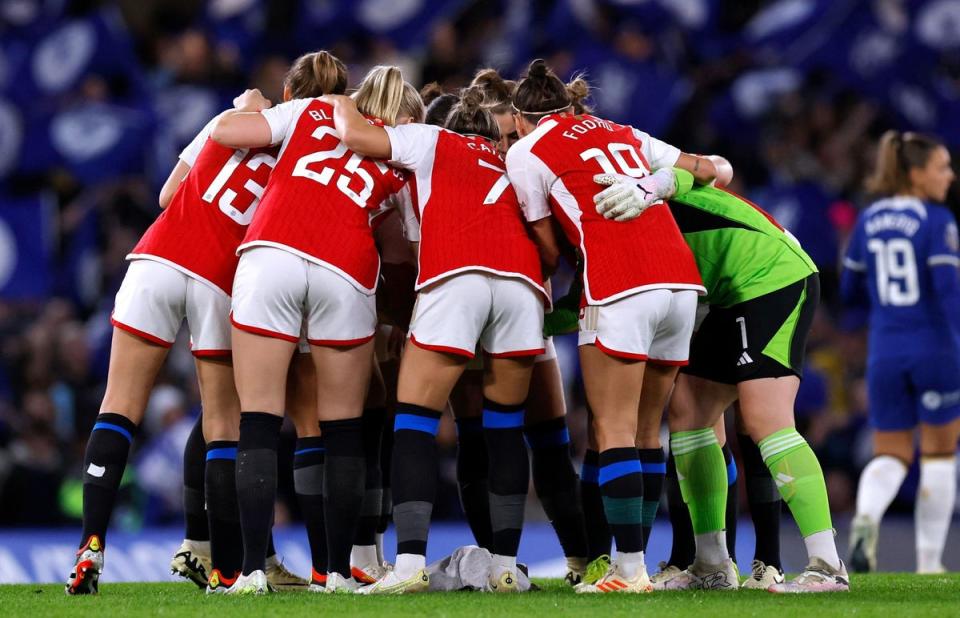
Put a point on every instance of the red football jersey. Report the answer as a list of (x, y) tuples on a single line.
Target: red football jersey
[(552, 169), (468, 213), (321, 197), (200, 230)]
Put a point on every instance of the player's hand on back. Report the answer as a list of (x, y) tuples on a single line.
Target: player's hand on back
[(252, 100), (626, 198)]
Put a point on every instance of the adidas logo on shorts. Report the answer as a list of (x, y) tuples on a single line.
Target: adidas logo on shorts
[(744, 359)]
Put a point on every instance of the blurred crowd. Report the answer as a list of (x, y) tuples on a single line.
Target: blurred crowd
[(97, 98)]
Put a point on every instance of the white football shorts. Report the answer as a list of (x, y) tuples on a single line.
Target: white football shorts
[(277, 293), (156, 297), (504, 315), (653, 326)]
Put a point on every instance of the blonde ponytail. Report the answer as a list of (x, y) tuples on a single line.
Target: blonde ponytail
[(411, 104), (381, 94)]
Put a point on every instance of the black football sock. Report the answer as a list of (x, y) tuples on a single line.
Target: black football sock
[(308, 462), (373, 423), (343, 482), (386, 460), (472, 467), (415, 469), (223, 511), (733, 504), (765, 503), (103, 465), (508, 473), (194, 461), (599, 539), (684, 545), (654, 465), (621, 483), (257, 484), (271, 548), (556, 484)]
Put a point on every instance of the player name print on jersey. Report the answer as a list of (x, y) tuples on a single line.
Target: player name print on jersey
[(892, 221), (321, 197), (585, 124)]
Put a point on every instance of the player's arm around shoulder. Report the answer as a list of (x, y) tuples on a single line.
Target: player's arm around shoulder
[(355, 131), (246, 126)]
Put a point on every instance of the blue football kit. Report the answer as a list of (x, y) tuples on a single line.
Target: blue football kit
[(903, 256)]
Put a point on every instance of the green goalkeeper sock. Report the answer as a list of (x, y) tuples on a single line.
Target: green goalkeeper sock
[(798, 476), (703, 477)]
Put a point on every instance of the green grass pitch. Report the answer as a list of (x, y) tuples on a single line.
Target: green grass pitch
[(888, 595)]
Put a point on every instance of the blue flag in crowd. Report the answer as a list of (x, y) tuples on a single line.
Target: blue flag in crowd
[(408, 23), (25, 246)]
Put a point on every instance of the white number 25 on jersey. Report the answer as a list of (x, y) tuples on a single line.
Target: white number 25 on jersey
[(325, 175)]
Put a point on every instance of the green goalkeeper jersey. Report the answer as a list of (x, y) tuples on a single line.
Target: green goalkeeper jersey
[(741, 251)]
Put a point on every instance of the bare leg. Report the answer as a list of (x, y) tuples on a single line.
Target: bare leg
[(260, 366), (657, 385), (218, 396), (301, 396), (134, 365)]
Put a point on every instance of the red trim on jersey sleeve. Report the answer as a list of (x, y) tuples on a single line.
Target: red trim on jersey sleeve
[(211, 353), (668, 363), (441, 348), (341, 343), (517, 353), (618, 353), (140, 333), (263, 332)]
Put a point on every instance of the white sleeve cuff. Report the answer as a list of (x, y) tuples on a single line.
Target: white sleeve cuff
[(854, 265), (944, 260)]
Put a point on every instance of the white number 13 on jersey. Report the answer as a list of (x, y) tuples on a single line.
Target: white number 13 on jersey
[(226, 201), (896, 265)]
